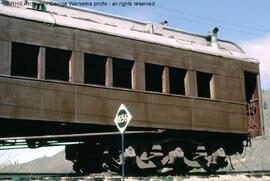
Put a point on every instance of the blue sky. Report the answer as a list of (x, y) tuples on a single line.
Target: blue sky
[(238, 20)]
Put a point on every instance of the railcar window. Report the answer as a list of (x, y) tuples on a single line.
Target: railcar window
[(57, 64), (122, 73), (265, 105), (250, 85), (94, 69), (203, 84), (153, 77), (177, 80), (24, 60)]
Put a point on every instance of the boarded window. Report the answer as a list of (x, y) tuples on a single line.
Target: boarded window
[(203, 84), (122, 73), (177, 80), (153, 77), (57, 64), (24, 60), (94, 69), (250, 85)]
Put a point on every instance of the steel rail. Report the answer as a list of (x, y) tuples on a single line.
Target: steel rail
[(99, 176)]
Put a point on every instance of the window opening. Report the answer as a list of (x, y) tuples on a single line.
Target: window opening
[(94, 69), (153, 77), (177, 80), (57, 64), (24, 60), (122, 73), (203, 84)]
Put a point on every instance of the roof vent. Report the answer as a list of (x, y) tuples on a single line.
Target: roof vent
[(35, 5), (154, 28), (212, 37), (164, 23)]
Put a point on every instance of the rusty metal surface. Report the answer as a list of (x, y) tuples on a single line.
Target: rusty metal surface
[(36, 99), (253, 114), (54, 101), (228, 76), (46, 137), (89, 42)]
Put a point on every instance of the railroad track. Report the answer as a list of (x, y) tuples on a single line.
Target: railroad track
[(239, 175), (34, 176), (249, 173)]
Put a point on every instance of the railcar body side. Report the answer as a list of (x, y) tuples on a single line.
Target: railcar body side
[(218, 93)]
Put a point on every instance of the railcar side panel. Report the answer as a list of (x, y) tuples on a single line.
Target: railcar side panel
[(50, 101), (67, 103)]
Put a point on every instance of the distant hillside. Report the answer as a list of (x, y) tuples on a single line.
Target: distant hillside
[(54, 164)]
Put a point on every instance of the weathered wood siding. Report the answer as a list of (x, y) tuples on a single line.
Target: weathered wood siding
[(52, 101)]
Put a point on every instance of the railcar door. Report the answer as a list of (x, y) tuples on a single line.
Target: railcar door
[(253, 104)]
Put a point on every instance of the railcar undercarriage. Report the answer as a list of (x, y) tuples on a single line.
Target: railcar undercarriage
[(168, 152), (148, 151)]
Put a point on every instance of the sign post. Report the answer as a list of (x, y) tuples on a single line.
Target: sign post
[(122, 157), (122, 120)]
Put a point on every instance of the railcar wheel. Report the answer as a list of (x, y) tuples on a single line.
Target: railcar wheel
[(112, 162), (84, 159), (220, 162), (180, 168), (211, 169)]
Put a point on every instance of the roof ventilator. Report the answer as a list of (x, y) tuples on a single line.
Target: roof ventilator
[(212, 37), (35, 5), (154, 28), (164, 23)]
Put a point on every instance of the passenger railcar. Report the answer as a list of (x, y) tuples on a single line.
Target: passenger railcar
[(63, 70)]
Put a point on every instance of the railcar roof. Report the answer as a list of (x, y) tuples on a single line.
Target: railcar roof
[(91, 20)]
